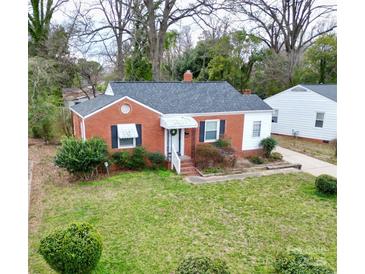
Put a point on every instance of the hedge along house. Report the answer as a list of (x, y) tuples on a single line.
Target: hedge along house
[(173, 117)]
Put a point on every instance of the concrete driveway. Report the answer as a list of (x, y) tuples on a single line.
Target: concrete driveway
[(309, 164)]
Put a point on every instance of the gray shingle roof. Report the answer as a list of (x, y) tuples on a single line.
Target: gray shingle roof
[(178, 97), (326, 90)]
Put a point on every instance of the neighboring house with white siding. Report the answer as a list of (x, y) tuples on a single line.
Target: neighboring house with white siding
[(308, 111)]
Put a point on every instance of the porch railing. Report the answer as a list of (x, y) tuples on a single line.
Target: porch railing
[(175, 160)]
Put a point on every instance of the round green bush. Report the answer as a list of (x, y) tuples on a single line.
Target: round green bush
[(268, 144), (326, 184), (200, 265), (76, 249), (296, 262), (81, 157)]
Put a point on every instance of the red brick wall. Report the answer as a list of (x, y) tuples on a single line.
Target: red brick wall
[(76, 122), (233, 130), (99, 124)]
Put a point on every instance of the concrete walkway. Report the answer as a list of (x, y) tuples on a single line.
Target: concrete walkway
[(309, 164), (197, 180)]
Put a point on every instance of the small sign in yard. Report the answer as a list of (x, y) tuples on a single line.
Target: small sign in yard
[(106, 164)]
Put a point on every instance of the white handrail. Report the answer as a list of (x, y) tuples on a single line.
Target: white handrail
[(175, 160)]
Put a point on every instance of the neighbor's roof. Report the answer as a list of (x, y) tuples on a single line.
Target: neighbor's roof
[(70, 94), (177, 97), (326, 90)]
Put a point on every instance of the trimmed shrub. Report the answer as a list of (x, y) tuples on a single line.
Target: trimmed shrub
[(326, 184), (276, 156), (207, 155), (76, 249), (199, 265), (295, 262), (256, 160), (81, 157), (122, 159), (137, 159), (157, 160), (268, 144)]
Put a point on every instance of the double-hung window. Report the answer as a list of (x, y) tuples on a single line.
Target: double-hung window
[(256, 131), (319, 119), (127, 134), (211, 133), (127, 142), (275, 115)]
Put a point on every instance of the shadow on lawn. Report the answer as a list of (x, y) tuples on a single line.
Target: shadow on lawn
[(311, 191)]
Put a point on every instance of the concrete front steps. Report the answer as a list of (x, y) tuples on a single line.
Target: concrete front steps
[(187, 168)]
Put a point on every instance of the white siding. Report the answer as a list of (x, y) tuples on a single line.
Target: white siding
[(250, 142), (297, 112)]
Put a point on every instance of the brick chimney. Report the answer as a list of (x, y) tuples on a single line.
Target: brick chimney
[(246, 92), (188, 76)]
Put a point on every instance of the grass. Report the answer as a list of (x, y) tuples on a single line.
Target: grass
[(151, 220), (321, 151)]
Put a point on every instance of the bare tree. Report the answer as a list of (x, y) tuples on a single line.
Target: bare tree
[(90, 72), (39, 21), (289, 25), (114, 26), (214, 27), (160, 16)]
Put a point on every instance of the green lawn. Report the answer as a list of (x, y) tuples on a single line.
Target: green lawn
[(150, 221)]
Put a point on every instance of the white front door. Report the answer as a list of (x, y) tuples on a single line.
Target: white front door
[(175, 137)]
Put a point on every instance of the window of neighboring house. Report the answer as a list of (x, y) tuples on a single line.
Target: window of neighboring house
[(211, 131), (256, 129), (127, 142), (319, 119), (275, 115)]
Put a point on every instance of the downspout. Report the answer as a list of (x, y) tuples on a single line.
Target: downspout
[(83, 134)]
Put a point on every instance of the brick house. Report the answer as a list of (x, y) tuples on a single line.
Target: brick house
[(173, 117)]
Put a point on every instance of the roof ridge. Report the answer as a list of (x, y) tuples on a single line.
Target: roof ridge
[(181, 82), (318, 84)]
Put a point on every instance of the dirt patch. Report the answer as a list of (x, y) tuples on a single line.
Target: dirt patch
[(43, 172)]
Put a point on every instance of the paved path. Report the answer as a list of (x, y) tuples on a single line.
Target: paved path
[(309, 164), (196, 180)]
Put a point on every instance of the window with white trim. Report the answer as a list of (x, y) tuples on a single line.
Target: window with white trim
[(127, 142), (211, 133), (319, 119), (127, 135), (275, 115), (256, 130)]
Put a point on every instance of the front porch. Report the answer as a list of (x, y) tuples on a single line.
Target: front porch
[(179, 142)]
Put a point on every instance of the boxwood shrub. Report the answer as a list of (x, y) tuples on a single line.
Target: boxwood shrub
[(199, 265), (297, 262), (76, 249), (81, 157), (156, 159), (326, 184)]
